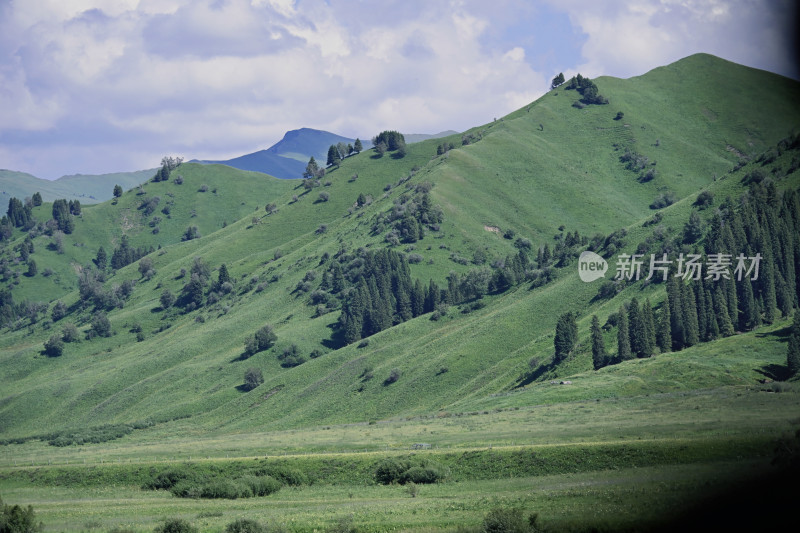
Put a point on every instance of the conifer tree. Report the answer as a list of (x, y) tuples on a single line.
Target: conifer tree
[(636, 330), (721, 311), (664, 334), (675, 298), (793, 350), (650, 326), (101, 261), (431, 297), (747, 304), (598, 345), (566, 336), (224, 277), (690, 314), (702, 312), (769, 287), (623, 337), (417, 298)]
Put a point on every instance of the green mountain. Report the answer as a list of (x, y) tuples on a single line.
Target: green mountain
[(544, 166), (288, 157), (86, 188), (169, 357)]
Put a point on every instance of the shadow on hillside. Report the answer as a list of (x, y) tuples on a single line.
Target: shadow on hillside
[(774, 372), (781, 335), (534, 375), (243, 388), (244, 356), (337, 337)]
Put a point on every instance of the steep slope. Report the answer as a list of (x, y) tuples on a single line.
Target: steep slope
[(538, 168)]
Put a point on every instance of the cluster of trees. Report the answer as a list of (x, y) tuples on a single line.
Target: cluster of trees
[(168, 164), (19, 215), (390, 141), (793, 348), (124, 254), (380, 294), (199, 288), (409, 216), (13, 313), (588, 90), (377, 291), (313, 170), (261, 340), (337, 152), (444, 147), (558, 80), (636, 162), (699, 310), (63, 212), (92, 290)]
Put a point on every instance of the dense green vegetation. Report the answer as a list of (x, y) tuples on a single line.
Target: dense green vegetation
[(427, 298)]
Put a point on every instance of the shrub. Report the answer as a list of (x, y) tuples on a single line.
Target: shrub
[(389, 471), (508, 520), (394, 375), (261, 485), (284, 474), (419, 474), (203, 188), (167, 299), (252, 378), (663, 200), (704, 200), (175, 525), (263, 339), (244, 525), (401, 471), (17, 519), (225, 489), (69, 333), (54, 346), (324, 196), (101, 326)]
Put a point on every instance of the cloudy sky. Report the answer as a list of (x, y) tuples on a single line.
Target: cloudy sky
[(94, 86)]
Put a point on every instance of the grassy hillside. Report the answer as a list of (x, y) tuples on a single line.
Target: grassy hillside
[(231, 195), (543, 166), (476, 383), (88, 189)]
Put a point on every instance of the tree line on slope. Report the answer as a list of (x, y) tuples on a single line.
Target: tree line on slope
[(703, 307)]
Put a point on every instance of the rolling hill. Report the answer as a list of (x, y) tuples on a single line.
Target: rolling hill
[(159, 390), (88, 189), (543, 166)]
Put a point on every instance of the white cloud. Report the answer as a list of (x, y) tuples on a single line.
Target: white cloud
[(630, 38), (106, 85)]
